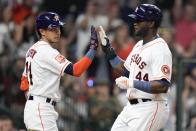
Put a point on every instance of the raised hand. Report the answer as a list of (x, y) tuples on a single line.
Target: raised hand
[(105, 43), (102, 36), (93, 39)]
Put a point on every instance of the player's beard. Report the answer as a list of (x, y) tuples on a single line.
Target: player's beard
[(142, 32), (54, 40)]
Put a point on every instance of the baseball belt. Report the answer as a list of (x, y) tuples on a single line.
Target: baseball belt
[(136, 101), (48, 100)]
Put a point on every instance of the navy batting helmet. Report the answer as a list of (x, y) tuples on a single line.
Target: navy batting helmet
[(147, 12), (48, 20)]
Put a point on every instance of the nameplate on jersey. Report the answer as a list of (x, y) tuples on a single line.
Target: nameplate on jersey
[(136, 58), (60, 58)]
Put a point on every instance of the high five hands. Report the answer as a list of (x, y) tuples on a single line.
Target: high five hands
[(103, 39), (121, 82), (98, 36)]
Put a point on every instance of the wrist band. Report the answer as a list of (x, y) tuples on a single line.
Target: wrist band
[(114, 62)]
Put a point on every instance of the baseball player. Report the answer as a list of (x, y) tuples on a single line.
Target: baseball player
[(43, 70), (145, 74)]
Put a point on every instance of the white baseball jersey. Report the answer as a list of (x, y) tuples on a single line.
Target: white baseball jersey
[(44, 68), (151, 61)]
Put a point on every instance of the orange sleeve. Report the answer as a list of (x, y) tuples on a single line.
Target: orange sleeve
[(24, 84), (81, 66)]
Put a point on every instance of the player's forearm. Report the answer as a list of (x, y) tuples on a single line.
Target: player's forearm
[(119, 69), (157, 87), (82, 65), (153, 87), (116, 62)]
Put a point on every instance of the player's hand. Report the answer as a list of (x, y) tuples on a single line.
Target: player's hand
[(93, 39), (103, 39), (123, 82), (105, 43)]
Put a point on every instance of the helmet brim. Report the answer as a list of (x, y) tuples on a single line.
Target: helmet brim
[(133, 16), (59, 24), (136, 17)]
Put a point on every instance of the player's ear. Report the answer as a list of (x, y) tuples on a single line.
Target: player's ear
[(151, 24), (42, 32)]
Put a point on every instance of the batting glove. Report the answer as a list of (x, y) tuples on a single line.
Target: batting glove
[(93, 39), (123, 82), (105, 44)]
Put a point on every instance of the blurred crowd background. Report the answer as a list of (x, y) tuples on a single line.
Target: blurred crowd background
[(92, 102)]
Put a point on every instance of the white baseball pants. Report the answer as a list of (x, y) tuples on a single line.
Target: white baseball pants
[(39, 115), (144, 116)]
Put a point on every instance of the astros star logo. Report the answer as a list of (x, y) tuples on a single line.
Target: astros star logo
[(165, 69), (56, 18)]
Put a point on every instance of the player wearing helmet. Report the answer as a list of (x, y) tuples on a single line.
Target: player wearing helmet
[(145, 74), (43, 70)]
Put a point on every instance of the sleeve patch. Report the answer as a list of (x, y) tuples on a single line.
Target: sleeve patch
[(165, 69), (60, 58)]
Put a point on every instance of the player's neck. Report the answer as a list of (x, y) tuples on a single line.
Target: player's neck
[(47, 41), (150, 37)]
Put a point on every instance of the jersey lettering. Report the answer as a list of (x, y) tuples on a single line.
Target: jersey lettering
[(28, 72), (141, 66), (138, 60), (31, 53), (139, 76), (145, 78)]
